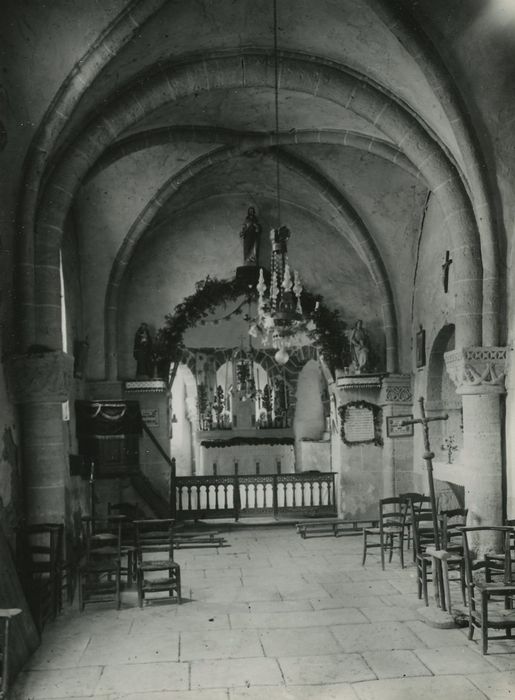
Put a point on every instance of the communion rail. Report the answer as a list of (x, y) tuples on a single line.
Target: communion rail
[(253, 495)]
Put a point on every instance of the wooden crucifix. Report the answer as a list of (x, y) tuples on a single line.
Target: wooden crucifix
[(428, 458), (445, 267)]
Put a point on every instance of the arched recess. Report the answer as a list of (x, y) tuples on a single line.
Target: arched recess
[(446, 436), (441, 393), (244, 69), (361, 240)]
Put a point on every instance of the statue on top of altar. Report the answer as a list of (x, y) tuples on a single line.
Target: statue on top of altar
[(250, 234)]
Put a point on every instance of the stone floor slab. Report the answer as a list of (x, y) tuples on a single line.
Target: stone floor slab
[(57, 683), (319, 670), (59, 653), (340, 691), (389, 612), (363, 588), (454, 661), (366, 601), (143, 678), (375, 636), (315, 618), (210, 694), (134, 649), (453, 687), (231, 644), (436, 638), (398, 663), (229, 673), (496, 686), (288, 642)]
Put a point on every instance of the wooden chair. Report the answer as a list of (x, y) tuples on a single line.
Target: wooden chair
[(40, 557), (494, 562), (424, 550), (423, 537), (390, 533), (154, 554), (452, 521), (490, 604), (100, 566), (6, 616), (127, 544), (417, 503)]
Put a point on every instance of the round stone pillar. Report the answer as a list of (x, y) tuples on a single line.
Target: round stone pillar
[(40, 385), (478, 374)]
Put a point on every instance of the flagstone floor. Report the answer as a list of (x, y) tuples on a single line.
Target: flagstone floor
[(270, 616)]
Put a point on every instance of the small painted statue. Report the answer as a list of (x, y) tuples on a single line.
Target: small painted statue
[(250, 233), (143, 352)]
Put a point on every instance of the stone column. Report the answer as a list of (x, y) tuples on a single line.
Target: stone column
[(396, 399), (40, 384), (478, 373)]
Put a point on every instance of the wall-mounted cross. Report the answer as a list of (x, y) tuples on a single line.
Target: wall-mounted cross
[(445, 267)]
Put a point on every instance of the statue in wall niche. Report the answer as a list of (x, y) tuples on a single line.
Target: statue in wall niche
[(143, 353), (250, 233), (360, 347), (80, 357)]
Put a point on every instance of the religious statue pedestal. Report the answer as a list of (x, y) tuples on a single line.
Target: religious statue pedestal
[(248, 274)]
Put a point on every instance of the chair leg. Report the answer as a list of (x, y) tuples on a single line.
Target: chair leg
[(140, 588), (419, 580), (462, 583), (178, 586), (118, 595), (484, 622), (424, 582), (381, 547), (401, 549), (364, 547), (81, 592)]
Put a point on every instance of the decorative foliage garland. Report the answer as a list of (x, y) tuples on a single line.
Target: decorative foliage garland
[(377, 418), (328, 335)]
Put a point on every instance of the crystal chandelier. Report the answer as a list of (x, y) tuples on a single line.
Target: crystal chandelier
[(280, 322)]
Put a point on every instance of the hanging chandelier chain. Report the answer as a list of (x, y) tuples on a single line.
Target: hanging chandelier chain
[(276, 86)]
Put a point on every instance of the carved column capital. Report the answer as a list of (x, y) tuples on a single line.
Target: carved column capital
[(41, 378), (478, 370), (396, 389)]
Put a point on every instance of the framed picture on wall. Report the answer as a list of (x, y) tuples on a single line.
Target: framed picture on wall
[(421, 348), (394, 427)]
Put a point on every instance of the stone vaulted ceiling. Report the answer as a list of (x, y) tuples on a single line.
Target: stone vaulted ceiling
[(170, 140)]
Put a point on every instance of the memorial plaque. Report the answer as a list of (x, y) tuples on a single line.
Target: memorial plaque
[(151, 417), (359, 424)]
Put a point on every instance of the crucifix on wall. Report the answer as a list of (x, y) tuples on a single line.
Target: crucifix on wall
[(445, 267)]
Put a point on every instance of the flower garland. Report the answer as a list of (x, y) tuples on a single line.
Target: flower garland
[(328, 335)]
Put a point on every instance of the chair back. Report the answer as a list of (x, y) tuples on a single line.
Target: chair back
[(154, 536), (102, 538), (417, 503), (504, 536), (451, 520), (392, 512), (423, 531)]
